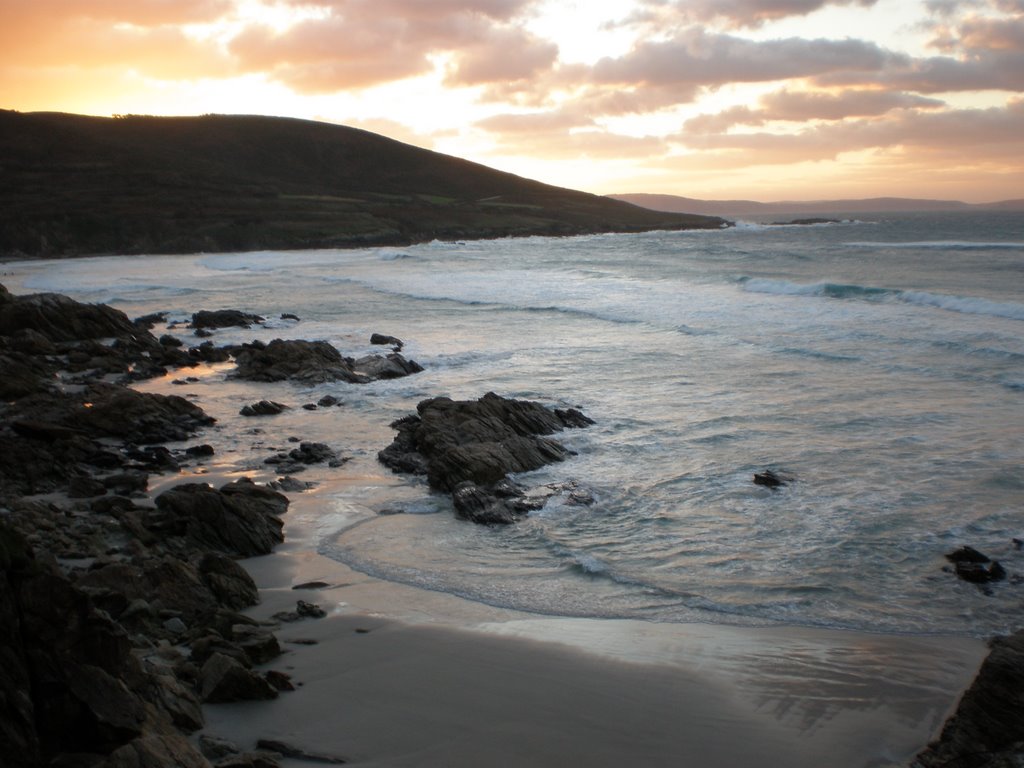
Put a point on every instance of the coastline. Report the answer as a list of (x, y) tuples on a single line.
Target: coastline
[(403, 677)]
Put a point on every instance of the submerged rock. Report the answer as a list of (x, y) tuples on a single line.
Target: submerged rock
[(771, 479), (263, 408), (973, 566)]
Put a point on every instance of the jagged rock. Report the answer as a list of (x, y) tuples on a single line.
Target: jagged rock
[(146, 322), (469, 447), (771, 479), (986, 731), (314, 362), (258, 643), (973, 566), (476, 440), (179, 702), (263, 408), (60, 318), (224, 318), (290, 484), (298, 360), (224, 679), (297, 459), (280, 680), (230, 583), (240, 519), (157, 750), (290, 316), (215, 747), (170, 341), (207, 352)]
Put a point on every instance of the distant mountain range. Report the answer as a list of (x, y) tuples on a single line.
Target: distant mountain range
[(73, 185), (674, 203)]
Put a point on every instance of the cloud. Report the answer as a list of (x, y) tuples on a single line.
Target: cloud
[(698, 58), (803, 106), (971, 134), (360, 43), (731, 13)]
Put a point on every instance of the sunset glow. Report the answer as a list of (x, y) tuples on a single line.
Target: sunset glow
[(762, 99)]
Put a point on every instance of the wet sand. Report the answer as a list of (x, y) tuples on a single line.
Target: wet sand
[(404, 677)]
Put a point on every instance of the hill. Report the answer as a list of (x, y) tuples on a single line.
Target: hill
[(670, 203), (72, 185)]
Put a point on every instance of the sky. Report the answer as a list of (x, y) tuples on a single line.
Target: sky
[(714, 99)]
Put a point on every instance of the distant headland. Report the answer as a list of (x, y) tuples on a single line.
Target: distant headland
[(74, 185), (668, 203)]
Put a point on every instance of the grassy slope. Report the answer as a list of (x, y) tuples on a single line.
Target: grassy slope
[(73, 185)]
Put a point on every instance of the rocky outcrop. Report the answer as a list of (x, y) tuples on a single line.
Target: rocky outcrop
[(315, 362), (242, 519), (987, 730), (971, 565), (224, 318), (469, 447)]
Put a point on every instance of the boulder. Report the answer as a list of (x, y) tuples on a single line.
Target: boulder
[(477, 440), (224, 318), (973, 566), (297, 459), (384, 340), (311, 362), (224, 679), (263, 408), (240, 519), (469, 447), (314, 362), (230, 583)]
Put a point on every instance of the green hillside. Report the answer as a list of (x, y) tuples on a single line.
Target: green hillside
[(74, 185)]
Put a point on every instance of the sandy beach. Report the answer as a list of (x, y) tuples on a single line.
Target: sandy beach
[(405, 677)]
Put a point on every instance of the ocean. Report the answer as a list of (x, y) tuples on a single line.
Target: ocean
[(879, 361)]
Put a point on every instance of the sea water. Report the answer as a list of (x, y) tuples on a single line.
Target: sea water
[(879, 361)]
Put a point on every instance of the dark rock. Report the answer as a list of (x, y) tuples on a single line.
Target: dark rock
[(289, 484), (287, 750), (469, 447), (771, 479), (156, 750), (256, 759), (230, 583), (202, 450), (289, 316), (146, 322), (170, 341), (986, 731), (297, 459), (309, 406), (224, 318), (314, 362), (215, 748), (179, 701), (263, 408), (207, 353), (327, 401), (140, 417), (224, 679), (309, 610), (258, 643), (392, 366), (298, 360), (311, 585), (979, 573), (240, 519), (280, 680), (60, 318), (391, 341), (966, 554), (476, 440), (85, 487), (203, 333)]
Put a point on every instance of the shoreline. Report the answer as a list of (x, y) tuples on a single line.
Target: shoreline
[(403, 677), (398, 675)]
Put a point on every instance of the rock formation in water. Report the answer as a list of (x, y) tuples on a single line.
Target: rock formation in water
[(469, 447)]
